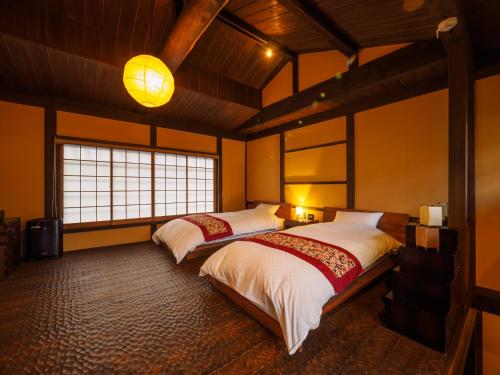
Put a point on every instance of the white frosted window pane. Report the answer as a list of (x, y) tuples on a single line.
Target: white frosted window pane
[(118, 169), (181, 209), (191, 208), (191, 161), (170, 184), (119, 213), (89, 168), (170, 159), (159, 197), (132, 211), (192, 196), (200, 207), (103, 213), (71, 167), (171, 197), (159, 171), (181, 160), (200, 184), (209, 163), (200, 173), (191, 172), (103, 168), (171, 209), (209, 184), (103, 199), (132, 197), (191, 184), (159, 158), (71, 152), (71, 199), (145, 197), (89, 183), (133, 156), (159, 210), (71, 183), (145, 170), (103, 184), (200, 195), (88, 153), (132, 183), (170, 171), (181, 172), (71, 215), (159, 184), (88, 214), (209, 174), (145, 184), (181, 196), (119, 198), (209, 206), (132, 170), (181, 184), (145, 211), (145, 157), (88, 199), (200, 162), (119, 155), (209, 195), (103, 154), (118, 183)]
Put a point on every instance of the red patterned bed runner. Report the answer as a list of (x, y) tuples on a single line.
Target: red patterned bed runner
[(338, 265), (213, 228)]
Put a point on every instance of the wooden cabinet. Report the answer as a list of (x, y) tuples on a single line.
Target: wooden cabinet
[(422, 303), (10, 246)]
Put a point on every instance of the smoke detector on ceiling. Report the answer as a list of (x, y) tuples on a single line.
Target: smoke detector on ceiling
[(446, 25)]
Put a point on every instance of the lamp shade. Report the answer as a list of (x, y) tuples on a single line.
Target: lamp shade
[(431, 216), (299, 212), (148, 80)]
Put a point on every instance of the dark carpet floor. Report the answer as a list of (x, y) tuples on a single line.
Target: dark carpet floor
[(131, 310)]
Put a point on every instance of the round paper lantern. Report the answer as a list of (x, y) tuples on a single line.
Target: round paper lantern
[(148, 80)]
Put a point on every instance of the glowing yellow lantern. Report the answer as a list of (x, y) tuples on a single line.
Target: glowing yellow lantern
[(299, 212), (148, 80)]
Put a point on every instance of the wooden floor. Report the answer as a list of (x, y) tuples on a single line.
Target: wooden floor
[(130, 309)]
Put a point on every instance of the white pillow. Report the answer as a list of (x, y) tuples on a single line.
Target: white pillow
[(271, 208), (368, 218)]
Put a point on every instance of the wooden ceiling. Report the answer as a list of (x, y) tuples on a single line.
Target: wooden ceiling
[(75, 50)]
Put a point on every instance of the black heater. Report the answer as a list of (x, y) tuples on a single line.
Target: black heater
[(44, 238)]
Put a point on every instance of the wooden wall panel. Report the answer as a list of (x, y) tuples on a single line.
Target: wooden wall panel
[(319, 66), (108, 237), (263, 169), (186, 141), (319, 133), (316, 195), (233, 175), (280, 86)]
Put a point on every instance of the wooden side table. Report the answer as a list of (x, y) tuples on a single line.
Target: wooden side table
[(292, 223)]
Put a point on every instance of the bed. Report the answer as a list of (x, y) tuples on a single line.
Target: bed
[(186, 239), (287, 295)]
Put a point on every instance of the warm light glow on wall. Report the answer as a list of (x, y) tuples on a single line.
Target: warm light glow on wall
[(299, 212), (148, 80), (269, 52)]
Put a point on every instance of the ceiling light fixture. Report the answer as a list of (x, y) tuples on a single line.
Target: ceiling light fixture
[(446, 25), (147, 79)]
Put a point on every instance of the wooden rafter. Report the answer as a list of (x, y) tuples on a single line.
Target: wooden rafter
[(402, 63), (194, 19), (317, 20)]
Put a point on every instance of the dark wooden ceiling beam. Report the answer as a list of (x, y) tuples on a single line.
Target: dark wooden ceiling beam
[(316, 19), (399, 64), (194, 19), (248, 30)]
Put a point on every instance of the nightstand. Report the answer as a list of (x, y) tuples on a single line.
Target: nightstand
[(291, 223)]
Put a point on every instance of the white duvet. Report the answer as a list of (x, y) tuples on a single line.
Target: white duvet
[(289, 289), (182, 236)]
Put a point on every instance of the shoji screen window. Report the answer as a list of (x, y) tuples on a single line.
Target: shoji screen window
[(131, 184), (200, 184), (170, 184), (87, 184)]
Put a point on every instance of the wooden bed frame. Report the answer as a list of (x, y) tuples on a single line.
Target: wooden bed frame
[(208, 249), (391, 223)]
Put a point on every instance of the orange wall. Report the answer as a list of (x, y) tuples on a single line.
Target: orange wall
[(488, 208), (402, 154), (233, 175), (369, 54), (107, 237), (185, 140), (319, 66), (21, 160), (280, 86), (263, 169)]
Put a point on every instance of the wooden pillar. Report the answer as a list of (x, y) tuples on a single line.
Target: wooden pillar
[(461, 181), (49, 160), (295, 75), (350, 148), (153, 143), (282, 167), (219, 174)]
